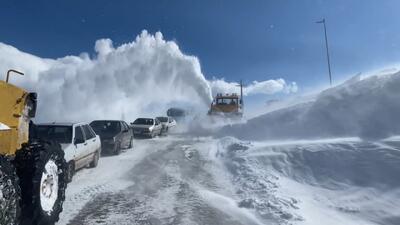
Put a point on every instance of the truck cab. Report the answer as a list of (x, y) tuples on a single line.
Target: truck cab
[(227, 105)]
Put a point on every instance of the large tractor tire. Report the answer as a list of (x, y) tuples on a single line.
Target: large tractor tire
[(41, 168), (9, 194)]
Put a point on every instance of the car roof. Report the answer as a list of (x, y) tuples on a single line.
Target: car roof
[(61, 124), (107, 121), (143, 118)]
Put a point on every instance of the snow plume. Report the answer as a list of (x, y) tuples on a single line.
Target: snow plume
[(368, 108), (256, 87), (135, 79)]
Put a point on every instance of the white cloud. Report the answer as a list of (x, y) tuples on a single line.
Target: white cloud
[(267, 87), (138, 78), (104, 47)]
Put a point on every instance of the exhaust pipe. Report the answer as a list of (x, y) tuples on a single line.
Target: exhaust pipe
[(14, 71)]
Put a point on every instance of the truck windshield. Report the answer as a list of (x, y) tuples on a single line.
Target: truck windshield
[(106, 127), (60, 134), (143, 121), (227, 101)]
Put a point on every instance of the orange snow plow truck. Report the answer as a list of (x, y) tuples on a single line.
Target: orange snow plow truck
[(228, 105)]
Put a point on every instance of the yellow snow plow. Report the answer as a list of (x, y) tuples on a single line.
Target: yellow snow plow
[(32, 172), (228, 105)]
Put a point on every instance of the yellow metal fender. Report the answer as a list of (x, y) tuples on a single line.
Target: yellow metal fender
[(14, 114)]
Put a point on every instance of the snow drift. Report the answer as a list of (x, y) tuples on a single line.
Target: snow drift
[(368, 108), (335, 181)]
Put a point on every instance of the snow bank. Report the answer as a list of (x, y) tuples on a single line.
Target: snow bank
[(368, 108), (337, 181)]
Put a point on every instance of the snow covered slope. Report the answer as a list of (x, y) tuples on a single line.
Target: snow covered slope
[(335, 181), (368, 108)]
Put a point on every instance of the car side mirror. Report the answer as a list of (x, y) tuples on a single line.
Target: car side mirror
[(78, 141)]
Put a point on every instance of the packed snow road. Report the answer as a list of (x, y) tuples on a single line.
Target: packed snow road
[(160, 181), (184, 180)]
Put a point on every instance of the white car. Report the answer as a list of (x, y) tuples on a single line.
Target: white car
[(81, 145), (146, 127), (166, 122)]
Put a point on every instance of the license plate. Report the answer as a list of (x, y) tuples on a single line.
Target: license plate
[(137, 132)]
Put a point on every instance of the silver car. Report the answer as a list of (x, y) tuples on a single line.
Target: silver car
[(166, 122), (146, 127)]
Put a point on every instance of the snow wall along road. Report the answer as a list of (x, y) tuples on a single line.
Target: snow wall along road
[(368, 108), (327, 180)]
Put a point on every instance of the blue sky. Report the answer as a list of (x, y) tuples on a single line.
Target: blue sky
[(250, 40)]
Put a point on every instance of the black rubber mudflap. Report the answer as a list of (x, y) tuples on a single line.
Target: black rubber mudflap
[(10, 194), (30, 161)]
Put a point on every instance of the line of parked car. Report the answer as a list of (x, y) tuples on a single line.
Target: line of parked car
[(84, 143), (151, 127)]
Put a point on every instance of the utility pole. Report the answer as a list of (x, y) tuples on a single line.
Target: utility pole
[(327, 51), (241, 103)]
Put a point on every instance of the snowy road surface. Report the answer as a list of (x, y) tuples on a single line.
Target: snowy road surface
[(181, 180)]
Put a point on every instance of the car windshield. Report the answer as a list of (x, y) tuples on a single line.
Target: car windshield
[(104, 127), (163, 119), (143, 121), (60, 134)]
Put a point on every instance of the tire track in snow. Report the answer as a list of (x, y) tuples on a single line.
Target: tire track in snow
[(165, 190)]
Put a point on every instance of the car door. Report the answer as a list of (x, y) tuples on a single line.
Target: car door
[(80, 147), (124, 134), (91, 143), (157, 126), (129, 133), (96, 139)]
